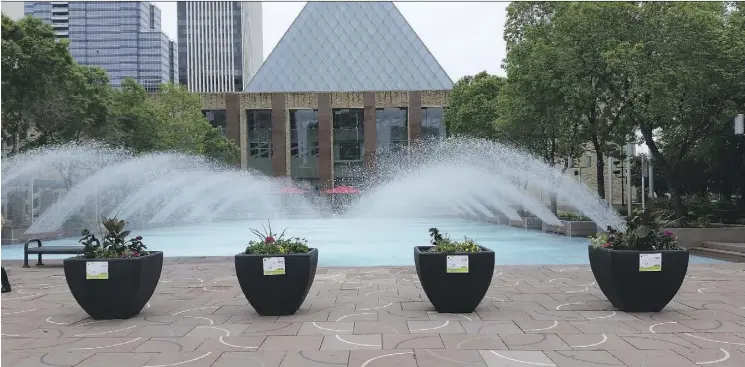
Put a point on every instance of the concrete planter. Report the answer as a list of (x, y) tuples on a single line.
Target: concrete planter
[(527, 223), (502, 219), (454, 292), (281, 294), (695, 237), (129, 284), (572, 228), (630, 290)]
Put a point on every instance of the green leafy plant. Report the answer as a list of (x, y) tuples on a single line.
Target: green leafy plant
[(269, 243), (113, 243), (443, 243), (643, 233), (571, 216)]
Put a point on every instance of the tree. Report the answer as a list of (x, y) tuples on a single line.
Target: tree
[(682, 68), (473, 105), (34, 64), (533, 107), (584, 32), (133, 119), (47, 97), (184, 127)]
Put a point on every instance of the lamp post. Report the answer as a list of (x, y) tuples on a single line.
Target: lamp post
[(629, 154), (645, 174)]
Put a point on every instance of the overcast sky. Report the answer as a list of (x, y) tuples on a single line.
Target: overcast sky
[(465, 37)]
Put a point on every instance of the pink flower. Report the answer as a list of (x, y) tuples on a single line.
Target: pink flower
[(135, 254), (607, 244), (269, 239), (668, 233)]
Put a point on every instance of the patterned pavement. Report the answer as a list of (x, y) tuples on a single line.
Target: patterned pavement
[(371, 317)]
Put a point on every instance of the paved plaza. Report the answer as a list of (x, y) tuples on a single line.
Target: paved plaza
[(371, 317)]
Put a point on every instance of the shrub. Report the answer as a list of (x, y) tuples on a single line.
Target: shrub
[(643, 233), (270, 244), (113, 244), (442, 243), (571, 216)]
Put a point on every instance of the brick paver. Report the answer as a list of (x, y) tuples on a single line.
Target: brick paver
[(532, 316)]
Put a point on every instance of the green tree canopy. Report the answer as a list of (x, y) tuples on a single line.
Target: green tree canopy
[(49, 99), (473, 105)]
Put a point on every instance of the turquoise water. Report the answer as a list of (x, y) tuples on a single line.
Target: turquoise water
[(359, 242)]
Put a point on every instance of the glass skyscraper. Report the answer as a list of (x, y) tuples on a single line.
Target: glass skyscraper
[(220, 44), (123, 38)]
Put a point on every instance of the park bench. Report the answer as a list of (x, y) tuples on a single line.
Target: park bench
[(39, 250)]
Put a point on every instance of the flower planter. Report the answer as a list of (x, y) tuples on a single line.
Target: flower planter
[(572, 228), (453, 292), (276, 294), (120, 293), (617, 273), (527, 223)]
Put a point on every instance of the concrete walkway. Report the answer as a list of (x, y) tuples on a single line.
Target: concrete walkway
[(371, 317)]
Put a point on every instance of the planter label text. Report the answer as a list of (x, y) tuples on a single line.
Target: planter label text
[(96, 270), (650, 262), (274, 266), (457, 264)]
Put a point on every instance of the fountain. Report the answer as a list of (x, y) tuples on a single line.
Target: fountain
[(187, 206)]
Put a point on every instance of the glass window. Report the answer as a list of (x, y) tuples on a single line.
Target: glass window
[(304, 133), (391, 126), (349, 134), (259, 133), (217, 118), (433, 125)]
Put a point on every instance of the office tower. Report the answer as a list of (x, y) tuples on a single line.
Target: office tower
[(219, 44), (123, 38)]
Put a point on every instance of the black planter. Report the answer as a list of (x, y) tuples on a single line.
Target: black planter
[(276, 295), (454, 292), (630, 290), (130, 284)]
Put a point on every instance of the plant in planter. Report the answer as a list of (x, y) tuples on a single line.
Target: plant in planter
[(275, 273), (641, 268), (115, 276), (572, 216), (454, 275)]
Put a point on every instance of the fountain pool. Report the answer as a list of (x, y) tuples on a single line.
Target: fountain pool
[(359, 242)]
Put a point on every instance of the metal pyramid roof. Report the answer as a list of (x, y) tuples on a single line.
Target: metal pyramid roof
[(349, 46)]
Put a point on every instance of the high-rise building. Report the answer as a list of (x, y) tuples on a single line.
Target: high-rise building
[(123, 38), (220, 44)]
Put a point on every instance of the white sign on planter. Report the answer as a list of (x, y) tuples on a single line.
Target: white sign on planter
[(274, 266), (650, 262), (96, 270), (457, 264)]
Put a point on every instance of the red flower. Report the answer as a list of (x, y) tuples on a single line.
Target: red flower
[(136, 254), (607, 244), (269, 239), (138, 238)]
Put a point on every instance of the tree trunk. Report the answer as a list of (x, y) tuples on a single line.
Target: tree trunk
[(600, 162), (599, 167), (667, 171), (552, 194)]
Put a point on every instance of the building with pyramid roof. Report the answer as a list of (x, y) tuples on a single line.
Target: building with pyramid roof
[(347, 83)]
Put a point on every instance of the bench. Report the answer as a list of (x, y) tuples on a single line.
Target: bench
[(39, 250)]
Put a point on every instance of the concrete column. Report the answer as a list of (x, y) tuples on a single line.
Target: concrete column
[(370, 130), (325, 141), (279, 141), (233, 117), (245, 157), (415, 117)]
